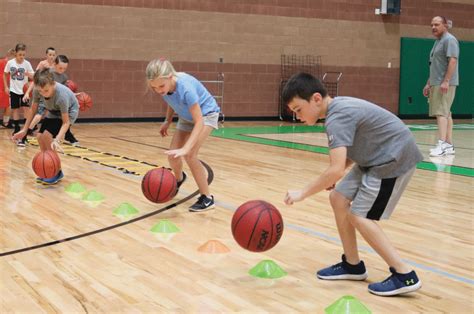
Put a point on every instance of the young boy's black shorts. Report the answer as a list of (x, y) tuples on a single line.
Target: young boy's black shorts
[(51, 125), (16, 101)]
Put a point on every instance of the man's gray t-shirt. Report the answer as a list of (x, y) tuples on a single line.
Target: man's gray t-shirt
[(62, 101), (376, 140), (444, 48)]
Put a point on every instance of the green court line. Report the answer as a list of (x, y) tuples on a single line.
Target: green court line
[(430, 127), (240, 134)]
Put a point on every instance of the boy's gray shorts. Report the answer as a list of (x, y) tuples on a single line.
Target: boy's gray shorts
[(371, 197), (211, 119)]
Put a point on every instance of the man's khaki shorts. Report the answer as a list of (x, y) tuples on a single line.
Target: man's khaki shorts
[(440, 104)]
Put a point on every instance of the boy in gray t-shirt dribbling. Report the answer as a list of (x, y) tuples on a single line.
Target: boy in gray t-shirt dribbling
[(63, 110), (384, 154)]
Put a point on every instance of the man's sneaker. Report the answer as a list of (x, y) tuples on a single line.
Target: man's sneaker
[(343, 271), (396, 284), (179, 183), (438, 151), (449, 150), (442, 149), (76, 143), (54, 179), (439, 143), (203, 203)]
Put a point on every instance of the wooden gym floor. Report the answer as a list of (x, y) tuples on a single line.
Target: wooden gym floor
[(129, 269)]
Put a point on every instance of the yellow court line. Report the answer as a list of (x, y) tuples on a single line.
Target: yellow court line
[(102, 157), (139, 167), (87, 153), (73, 150), (118, 162), (124, 162)]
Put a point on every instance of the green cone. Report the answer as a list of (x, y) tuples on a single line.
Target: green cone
[(267, 269), (125, 210), (347, 305), (75, 187), (93, 196), (75, 190), (165, 226)]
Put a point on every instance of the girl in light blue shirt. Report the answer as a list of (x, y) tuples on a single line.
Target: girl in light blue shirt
[(198, 114)]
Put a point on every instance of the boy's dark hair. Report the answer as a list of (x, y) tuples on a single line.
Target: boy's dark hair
[(61, 58), (20, 47), (302, 85), (43, 77), (50, 48)]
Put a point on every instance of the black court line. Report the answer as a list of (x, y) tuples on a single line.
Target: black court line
[(135, 142), (210, 178)]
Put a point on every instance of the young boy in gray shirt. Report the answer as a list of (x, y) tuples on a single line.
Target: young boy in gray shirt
[(63, 110), (384, 154)]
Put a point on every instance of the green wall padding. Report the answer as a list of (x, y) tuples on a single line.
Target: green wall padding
[(414, 71)]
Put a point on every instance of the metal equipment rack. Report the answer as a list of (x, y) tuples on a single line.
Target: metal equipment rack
[(331, 81), (216, 88), (290, 65)]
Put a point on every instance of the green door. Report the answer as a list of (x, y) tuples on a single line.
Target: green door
[(414, 71)]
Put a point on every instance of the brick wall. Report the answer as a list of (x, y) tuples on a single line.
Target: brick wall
[(110, 43)]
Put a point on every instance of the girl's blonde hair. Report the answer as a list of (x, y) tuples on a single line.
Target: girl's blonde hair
[(159, 68)]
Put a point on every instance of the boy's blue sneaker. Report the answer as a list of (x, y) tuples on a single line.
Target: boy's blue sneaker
[(396, 284), (343, 271), (53, 180)]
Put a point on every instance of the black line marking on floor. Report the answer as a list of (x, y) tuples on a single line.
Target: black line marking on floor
[(39, 246), (140, 143)]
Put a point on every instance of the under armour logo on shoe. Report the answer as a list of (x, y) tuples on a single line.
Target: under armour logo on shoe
[(410, 282)]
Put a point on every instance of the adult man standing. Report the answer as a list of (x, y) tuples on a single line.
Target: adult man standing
[(441, 85)]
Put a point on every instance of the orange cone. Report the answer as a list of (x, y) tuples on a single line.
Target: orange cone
[(213, 247)]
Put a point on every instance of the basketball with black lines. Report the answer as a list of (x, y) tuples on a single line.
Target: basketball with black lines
[(72, 85), (46, 164), (257, 226), (85, 101), (159, 185)]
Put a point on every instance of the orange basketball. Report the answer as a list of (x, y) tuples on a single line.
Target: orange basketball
[(257, 226), (72, 86), (85, 101), (159, 185), (46, 164)]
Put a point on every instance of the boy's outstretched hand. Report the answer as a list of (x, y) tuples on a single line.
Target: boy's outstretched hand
[(293, 196), (56, 146)]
